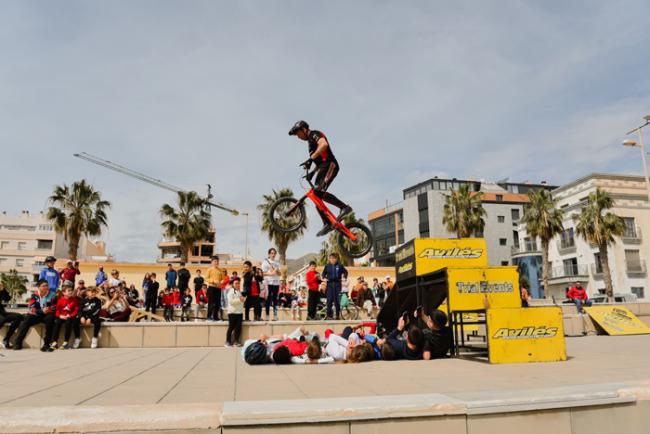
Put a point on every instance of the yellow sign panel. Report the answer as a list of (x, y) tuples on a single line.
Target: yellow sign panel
[(483, 287), (617, 320), (523, 335), (432, 254)]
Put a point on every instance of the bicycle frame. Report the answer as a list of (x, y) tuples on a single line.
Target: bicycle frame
[(318, 202)]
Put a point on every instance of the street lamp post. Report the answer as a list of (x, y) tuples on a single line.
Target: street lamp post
[(246, 239), (632, 143)]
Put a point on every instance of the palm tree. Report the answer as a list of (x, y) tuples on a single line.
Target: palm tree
[(463, 212), (77, 210), (281, 240), (543, 220), (599, 227), (323, 253), (191, 222), (14, 283)]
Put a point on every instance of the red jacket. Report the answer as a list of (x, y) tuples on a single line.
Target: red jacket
[(176, 297), (224, 282), (67, 306), (201, 297), (296, 348), (69, 274), (577, 293), (313, 282), (168, 299)]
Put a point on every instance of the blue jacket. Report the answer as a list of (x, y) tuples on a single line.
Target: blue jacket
[(170, 277), (333, 274), (100, 278), (52, 277)]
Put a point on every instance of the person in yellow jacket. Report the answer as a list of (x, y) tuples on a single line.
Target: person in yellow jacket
[(213, 278)]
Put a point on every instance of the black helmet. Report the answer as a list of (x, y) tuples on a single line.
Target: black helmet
[(50, 259), (255, 354), (298, 126)]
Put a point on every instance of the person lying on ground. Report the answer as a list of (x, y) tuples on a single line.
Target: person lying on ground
[(395, 347), (437, 336), (313, 355)]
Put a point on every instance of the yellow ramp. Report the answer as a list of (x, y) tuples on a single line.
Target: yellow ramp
[(617, 320)]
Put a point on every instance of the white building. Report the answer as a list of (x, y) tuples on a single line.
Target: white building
[(572, 258), (26, 239)]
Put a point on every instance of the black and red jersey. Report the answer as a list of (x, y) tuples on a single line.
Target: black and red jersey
[(327, 156)]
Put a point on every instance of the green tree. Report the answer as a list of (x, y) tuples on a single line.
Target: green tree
[(75, 211), (190, 222), (544, 221), (599, 227), (281, 240), (14, 283), (331, 245), (463, 212)]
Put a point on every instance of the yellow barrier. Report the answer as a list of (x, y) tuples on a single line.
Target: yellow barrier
[(525, 335), (617, 320), (483, 287)]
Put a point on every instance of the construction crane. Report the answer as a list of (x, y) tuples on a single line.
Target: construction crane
[(148, 179)]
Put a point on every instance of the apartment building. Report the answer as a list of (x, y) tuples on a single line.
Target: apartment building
[(420, 213), (571, 258), (26, 239), (200, 253)]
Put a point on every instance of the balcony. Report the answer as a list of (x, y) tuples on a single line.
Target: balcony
[(566, 246), (525, 250), (569, 272), (632, 235), (636, 268)]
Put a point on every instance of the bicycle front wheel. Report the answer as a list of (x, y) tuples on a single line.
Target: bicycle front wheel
[(361, 245), (287, 215)]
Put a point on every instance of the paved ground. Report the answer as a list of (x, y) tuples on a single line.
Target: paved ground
[(188, 375)]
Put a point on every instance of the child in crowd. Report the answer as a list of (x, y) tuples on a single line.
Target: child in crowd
[(295, 301), (313, 355), (394, 347), (201, 300), (176, 297), (186, 305), (41, 308), (67, 308), (89, 314), (151, 295), (224, 287), (235, 314), (168, 304), (251, 290)]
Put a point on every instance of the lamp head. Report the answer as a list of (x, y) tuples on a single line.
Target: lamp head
[(629, 142), (647, 118)]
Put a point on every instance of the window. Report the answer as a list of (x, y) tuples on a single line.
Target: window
[(602, 291), (501, 219), (630, 228), (515, 238), (20, 262), (504, 263), (45, 228), (44, 244), (515, 214), (570, 267), (499, 198), (599, 265), (3, 261), (638, 291), (633, 260), (530, 245), (566, 239), (22, 245), (424, 234), (503, 241), (4, 245)]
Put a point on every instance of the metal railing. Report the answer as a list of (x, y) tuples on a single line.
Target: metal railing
[(573, 270), (565, 246), (524, 248)]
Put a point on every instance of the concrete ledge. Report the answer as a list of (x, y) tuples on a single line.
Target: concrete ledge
[(109, 419)]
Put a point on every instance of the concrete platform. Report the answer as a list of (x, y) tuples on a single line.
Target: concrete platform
[(604, 387)]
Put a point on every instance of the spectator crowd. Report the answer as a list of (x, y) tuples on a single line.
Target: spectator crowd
[(63, 304)]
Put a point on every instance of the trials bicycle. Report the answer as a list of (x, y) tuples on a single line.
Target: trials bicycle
[(288, 215)]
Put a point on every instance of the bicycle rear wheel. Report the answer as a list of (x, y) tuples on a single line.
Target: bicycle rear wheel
[(287, 215), (359, 247)]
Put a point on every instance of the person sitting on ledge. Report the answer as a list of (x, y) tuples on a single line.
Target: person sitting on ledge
[(578, 295), (40, 309)]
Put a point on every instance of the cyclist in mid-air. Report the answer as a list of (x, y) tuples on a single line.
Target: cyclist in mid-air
[(320, 153)]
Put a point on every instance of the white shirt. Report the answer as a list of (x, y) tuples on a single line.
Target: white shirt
[(271, 279)]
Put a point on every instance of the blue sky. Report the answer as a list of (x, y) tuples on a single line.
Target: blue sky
[(197, 92)]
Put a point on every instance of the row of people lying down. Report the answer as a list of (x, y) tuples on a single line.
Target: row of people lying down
[(426, 338)]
